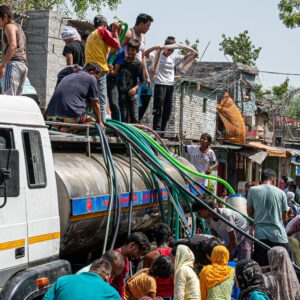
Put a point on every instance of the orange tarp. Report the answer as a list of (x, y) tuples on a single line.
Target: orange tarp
[(232, 120)]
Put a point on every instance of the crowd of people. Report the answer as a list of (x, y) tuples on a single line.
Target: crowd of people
[(157, 267), (100, 68), (221, 263)]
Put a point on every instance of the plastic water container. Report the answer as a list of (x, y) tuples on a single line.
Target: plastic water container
[(239, 202)]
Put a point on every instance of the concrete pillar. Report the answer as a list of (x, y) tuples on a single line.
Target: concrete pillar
[(44, 50)]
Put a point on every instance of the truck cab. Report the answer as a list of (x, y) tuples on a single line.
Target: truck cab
[(29, 214)]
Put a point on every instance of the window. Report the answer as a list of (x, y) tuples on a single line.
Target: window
[(6, 139), (34, 158), (204, 105)]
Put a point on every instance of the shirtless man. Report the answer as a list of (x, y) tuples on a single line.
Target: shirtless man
[(13, 69), (141, 27)]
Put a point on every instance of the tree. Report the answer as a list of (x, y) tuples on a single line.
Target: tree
[(293, 110), (240, 48), (188, 43), (289, 12), (280, 101), (79, 7)]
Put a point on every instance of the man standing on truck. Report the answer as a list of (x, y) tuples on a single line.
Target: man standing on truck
[(141, 27), (73, 96), (97, 49), (13, 68)]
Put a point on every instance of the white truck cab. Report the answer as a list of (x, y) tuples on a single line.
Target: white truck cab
[(29, 215)]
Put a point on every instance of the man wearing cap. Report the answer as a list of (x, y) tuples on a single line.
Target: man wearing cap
[(74, 48), (97, 49)]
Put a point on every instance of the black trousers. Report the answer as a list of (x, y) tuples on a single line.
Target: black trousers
[(162, 106), (113, 98), (261, 254), (145, 99), (129, 108)]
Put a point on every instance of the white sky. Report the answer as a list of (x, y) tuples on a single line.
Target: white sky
[(208, 20)]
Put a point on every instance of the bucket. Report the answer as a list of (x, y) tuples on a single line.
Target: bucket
[(239, 202)]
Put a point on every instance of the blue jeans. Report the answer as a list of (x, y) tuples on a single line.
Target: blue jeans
[(102, 90)]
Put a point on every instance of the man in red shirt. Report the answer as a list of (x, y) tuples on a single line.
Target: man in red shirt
[(136, 246)]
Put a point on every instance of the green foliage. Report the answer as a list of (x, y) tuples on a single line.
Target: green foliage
[(240, 48), (293, 109), (281, 99), (289, 12), (79, 7), (261, 93), (279, 91), (188, 43)]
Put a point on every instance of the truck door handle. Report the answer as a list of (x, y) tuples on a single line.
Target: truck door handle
[(20, 252)]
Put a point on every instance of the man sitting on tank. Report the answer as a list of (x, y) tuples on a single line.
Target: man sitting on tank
[(73, 97)]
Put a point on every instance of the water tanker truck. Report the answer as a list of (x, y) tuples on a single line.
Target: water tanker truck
[(54, 199)]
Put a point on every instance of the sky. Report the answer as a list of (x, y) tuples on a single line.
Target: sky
[(208, 20)]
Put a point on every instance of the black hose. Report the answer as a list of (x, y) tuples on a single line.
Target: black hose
[(183, 189), (117, 215), (130, 190)]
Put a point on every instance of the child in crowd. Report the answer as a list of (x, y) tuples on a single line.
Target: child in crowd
[(203, 157), (186, 282), (112, 82), (162, 235), (224, 196), (217, 279), (251, 281), (144, 282), (130, 79)]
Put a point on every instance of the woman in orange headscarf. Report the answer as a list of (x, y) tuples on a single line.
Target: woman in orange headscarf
[(217, 279)]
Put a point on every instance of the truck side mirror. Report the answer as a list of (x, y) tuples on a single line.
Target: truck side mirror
[(9, 174)]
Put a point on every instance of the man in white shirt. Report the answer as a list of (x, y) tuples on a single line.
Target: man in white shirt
[(163, 66)]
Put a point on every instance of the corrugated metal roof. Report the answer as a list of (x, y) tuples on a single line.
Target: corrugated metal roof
[(256, 156)]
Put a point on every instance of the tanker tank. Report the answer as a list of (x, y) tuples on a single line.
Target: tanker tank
[(83, 194)]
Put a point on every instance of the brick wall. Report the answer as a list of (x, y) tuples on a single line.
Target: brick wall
[(195, 120)]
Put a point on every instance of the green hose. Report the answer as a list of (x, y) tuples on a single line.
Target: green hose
[(169, 157), (181, 166), (113, 56), (145, 146), (178, 165)]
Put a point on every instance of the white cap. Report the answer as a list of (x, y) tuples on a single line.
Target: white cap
[(70, 33)]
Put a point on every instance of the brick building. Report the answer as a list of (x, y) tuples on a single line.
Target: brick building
[(199, 90)]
